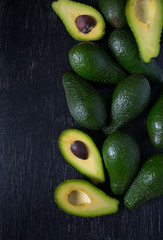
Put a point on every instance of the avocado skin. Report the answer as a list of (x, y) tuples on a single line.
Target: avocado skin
[(130, 98), (155, 122), (114, 12), (121, 157), (124, 48), (93, 63), (148, 183), (85, 104)]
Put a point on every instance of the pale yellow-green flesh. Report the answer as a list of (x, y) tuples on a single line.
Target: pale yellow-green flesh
[(92, 167), (79, 197), (69, 10), (145, 18)]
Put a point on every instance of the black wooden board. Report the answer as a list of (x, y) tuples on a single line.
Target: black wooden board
[(34, 48)]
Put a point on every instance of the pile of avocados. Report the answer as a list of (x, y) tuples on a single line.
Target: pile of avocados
[(132, 69)]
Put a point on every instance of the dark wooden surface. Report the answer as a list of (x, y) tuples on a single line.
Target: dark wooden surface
[(34, 48)]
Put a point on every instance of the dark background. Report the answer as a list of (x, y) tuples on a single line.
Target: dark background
[(34, 48)]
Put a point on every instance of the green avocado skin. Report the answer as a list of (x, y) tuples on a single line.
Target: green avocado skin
[(148, 183), (155, 122), (85, 104), (130, 98), (93, 63), (114, 12), (123, 46), (162, 37), (121, 157)]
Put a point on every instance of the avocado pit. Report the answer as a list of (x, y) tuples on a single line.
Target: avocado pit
[(145, 10), (78, 197), (85, 23), (79, 149)]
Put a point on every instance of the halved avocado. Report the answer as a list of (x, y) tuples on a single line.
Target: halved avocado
[(83, 22), (81, 198), (161, 37), (145, 18), (81, 152)]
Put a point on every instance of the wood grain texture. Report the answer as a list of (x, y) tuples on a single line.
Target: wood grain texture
[(34, 48)]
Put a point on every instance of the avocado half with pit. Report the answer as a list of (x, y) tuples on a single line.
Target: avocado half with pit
[(81, 152), (145, 18), (83, 22), (81, 198)]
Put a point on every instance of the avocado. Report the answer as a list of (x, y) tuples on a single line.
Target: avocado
[(93, 63), (123, 46), (121, 157), (114, 12), (155, 122), (81, 198), (161, 38), (83, 22), (129, 99), (85, 104), (148, 183), (145, 18), (81, 152)]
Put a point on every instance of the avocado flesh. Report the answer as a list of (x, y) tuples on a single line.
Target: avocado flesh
[(92, 167), (121, 157), (130, 98), (155, 122), (81, 198), (114, 12), (123, 46), (93, 63), (68, 11), (148, 183), (85, 104), (145, 18)]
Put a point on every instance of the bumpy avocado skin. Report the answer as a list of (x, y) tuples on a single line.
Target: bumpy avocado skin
[(155, 122), (93, 63), (123, 46), (114, 12), (121, 157), (85, 104), (130, 98), (148, 183)]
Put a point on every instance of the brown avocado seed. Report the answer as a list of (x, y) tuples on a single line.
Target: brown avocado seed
[(79, 149), (85, 23)]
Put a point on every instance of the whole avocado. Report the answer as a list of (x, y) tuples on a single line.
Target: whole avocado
[(155, 122), (130, 98), (93, 63), (121, 157), (123, 46), (148, 183), (114, 12), (85, 104)]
